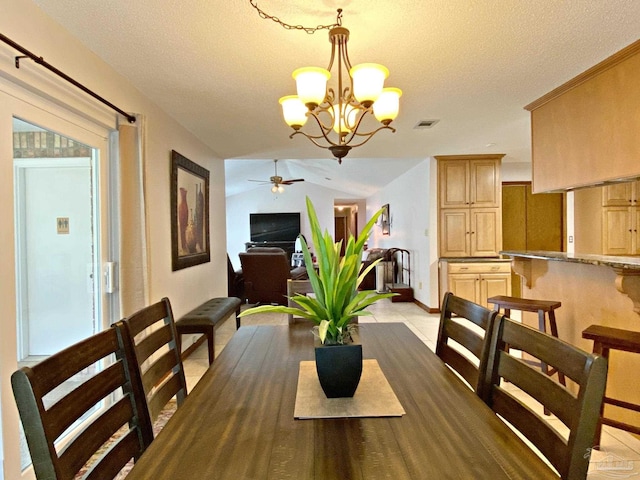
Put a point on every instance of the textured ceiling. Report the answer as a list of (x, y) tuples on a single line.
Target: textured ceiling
[(219, 69)]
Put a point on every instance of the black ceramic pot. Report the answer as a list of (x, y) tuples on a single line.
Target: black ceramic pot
[(339, 368)]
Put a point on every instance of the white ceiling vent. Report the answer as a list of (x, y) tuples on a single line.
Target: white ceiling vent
[(425, 124)]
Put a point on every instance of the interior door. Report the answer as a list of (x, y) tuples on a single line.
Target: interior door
[(54, 196)]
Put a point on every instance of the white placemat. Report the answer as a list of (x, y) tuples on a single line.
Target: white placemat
[(373, 398)]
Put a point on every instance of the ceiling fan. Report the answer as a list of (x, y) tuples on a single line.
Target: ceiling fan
[(278, 181)]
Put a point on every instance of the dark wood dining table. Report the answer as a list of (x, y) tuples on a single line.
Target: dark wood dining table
[(238, 422)]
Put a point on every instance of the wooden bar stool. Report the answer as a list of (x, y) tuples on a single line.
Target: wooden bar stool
[(545, 308), (605, 339)]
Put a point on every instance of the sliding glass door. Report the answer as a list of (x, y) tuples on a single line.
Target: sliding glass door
[(55, 242)]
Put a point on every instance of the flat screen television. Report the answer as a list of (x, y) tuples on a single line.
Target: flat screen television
[(274, 227)]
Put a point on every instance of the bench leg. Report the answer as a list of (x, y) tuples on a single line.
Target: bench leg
[(210, 334)]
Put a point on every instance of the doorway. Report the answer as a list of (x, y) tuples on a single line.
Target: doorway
[(345, 219)]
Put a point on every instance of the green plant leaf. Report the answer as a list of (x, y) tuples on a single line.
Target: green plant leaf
[(322, 330)]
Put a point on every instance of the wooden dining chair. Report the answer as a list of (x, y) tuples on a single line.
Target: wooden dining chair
[(465, 324), (577, 408), (105, 412), (152, 332)]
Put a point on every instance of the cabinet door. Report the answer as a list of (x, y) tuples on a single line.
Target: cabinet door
[(465, 285), (453, 183), (492, 284), (619, 194), (454, 232), (617, 230), (635, 238), (486, 232), (484, 183)]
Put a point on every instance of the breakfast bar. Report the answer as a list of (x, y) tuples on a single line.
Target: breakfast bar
[(594, 290)]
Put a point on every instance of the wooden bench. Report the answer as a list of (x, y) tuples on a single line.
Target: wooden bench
[(206, 317)]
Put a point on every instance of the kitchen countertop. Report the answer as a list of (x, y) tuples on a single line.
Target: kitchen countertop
[(625, 263)]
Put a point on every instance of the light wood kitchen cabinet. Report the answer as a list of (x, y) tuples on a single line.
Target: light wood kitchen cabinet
[(476, 281), (470, 201), (621, 194), (620, 231), (621, 219)]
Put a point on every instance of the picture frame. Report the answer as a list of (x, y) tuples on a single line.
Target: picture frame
[(189, 213), (385, 220)]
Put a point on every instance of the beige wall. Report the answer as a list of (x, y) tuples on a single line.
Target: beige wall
[(23, 22)]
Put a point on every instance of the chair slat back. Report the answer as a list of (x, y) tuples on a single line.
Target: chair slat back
[(153, 333), (49, 405), (579, 411), (456, 312)]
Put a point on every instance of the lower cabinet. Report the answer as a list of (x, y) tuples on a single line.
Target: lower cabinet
[(476, 281)]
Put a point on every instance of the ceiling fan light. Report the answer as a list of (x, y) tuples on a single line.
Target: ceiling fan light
[(311, 84), (368, 81), (294, 111), (274, 189), (387, 106)]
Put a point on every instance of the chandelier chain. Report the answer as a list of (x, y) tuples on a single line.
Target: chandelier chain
[(309, 30)]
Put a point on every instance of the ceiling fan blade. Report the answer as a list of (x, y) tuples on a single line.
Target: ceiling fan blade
[(289, 182), (259, 181)]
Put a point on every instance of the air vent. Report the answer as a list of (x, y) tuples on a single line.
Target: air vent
[(426, 124)]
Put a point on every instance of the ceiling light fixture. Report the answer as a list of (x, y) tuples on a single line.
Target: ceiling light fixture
[(338, 112)]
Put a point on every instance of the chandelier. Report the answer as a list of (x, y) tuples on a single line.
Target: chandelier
[(338, 112)]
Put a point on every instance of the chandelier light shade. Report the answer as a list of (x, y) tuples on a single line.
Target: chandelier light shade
[(338, 108), (294, 111), (387, 105)]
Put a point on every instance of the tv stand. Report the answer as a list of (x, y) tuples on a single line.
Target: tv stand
[(287, 246)]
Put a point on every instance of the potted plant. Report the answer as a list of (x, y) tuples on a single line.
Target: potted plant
[(335, 305)]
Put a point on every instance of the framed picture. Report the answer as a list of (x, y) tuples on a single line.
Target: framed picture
[(384, 220), (189, 213)]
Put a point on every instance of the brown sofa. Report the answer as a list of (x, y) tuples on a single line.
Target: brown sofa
[(266, 271)]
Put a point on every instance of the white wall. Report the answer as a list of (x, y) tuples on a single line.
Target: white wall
[(412, 200), (261, 200), (516, 172), (23, 22)]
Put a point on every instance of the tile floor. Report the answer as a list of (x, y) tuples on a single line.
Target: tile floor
[(619, 456)]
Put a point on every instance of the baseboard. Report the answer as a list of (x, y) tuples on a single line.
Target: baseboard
[(193, 347), (426, 308)]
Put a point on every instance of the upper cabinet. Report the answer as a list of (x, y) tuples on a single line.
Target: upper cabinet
[(470, 202), (585, 132), (620, 219), (621, 194), (469, 182)]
